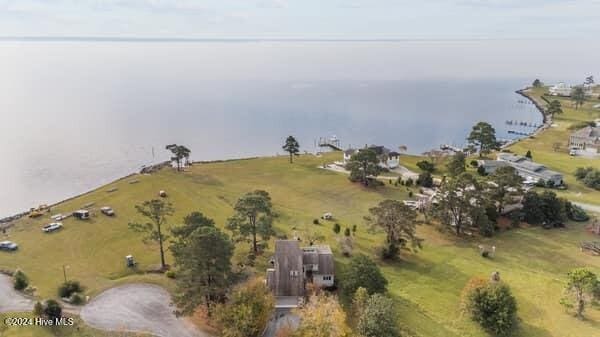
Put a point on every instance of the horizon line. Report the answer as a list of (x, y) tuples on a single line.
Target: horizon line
[(42, 38)]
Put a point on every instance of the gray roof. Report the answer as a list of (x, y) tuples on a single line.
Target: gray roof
[(288, 263), (491, 163), (589, 132), (321, 256), (513, 158)]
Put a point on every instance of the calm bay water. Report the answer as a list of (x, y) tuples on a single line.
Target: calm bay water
[(75, 115)]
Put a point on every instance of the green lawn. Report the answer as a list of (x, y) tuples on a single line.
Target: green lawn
[(426, 286), (542, 146)]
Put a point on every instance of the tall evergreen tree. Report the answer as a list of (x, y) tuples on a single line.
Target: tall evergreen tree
[(180, 153), (203, 266), (253, 218), (156, 212), (292, 147), (483, 136), (578, 96)]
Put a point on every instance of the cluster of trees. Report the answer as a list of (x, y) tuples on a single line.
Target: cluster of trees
[(201, 251), (589, 176), (544, 209), (464, 201), (491, 304)]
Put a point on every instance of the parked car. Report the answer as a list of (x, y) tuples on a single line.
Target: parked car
[(107, 211), (162, 194), (82, 214), (8, 245), (58, 217), (52, 227)]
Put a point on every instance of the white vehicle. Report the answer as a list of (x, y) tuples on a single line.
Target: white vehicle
[(107, 211), (58, 217), (82, 214), (52, 227), (8, 245)]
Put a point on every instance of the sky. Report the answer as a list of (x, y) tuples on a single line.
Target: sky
[(303, 19)]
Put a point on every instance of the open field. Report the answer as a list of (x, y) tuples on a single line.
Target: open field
[(426, 286), (541, 146)]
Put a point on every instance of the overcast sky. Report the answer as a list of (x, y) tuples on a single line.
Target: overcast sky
[(310, 19)]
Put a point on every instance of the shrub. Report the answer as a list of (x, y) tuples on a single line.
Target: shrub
[(347, 231), (410, 194), (315, 221), (53, 310), (170, 274), (362, 272), (388, 252), (336, 228), (425, 179), (575, 212), (474, 163), (492, 305), (409, 182), (354, 229), (21, 281), (76, 299), (69, 288), (485, 254), (426, 166), (38, 309), (481, 171)]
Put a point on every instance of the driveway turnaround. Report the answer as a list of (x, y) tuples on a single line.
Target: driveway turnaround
[(10, 299), (138, 308)]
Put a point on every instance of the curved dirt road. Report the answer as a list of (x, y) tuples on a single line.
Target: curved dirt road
[(10, 299), (138, 308)]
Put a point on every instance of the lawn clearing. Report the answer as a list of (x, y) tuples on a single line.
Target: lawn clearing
[(426, 286)]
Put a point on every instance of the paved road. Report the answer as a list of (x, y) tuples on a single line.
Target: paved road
[(139, 308), (11, 300), (588, 207), (283, 318)]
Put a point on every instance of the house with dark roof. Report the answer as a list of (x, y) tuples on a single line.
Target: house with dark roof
[(293, 267)]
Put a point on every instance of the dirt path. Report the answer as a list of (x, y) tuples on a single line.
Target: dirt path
[(10, 299), (138, 308)]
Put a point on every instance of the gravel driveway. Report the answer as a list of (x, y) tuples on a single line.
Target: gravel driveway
[(10, 299), (140, 308)]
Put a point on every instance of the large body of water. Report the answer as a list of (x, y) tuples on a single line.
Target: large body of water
[(75, 115)]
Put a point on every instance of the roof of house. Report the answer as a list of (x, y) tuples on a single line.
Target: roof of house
[(587, 132), (513, 158), (491, 163), (288, 259), (322, 256)]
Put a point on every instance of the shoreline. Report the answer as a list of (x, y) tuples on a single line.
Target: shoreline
[(546, 120), (5, 222)]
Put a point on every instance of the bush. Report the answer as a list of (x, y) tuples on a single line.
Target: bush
[(575, 212), (170, 274), (485, 254), (53, 310), (21, 281), (474, 163), (426, 166), (69, 288), (38, 309), (315, 221), (410, 194), (362, 272), (337, 228), (409, 182), (425, 179), (347, 232), (481, 171), (354, 229), (76, 299), (493, 306)]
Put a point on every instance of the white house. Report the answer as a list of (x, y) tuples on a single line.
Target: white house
[(560, 89), (388, 159)]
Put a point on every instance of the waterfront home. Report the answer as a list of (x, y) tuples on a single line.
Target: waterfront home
[(387, 158), (560, 89), (530, 170), (294, 267), (490, 166), (586, 139)]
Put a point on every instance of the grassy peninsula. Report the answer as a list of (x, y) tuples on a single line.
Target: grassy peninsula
[(425, 286)]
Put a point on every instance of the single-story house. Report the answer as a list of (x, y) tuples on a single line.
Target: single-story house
[(293, 267), (587, 139), (560, 89), (530, 170), (490, 166), (388, 159)]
